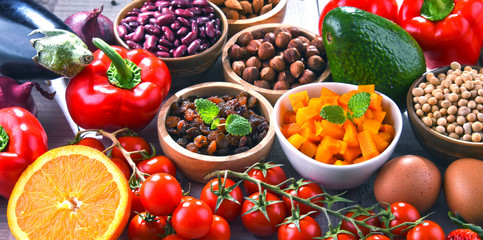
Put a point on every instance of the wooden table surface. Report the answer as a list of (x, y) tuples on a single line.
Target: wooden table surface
[(302, 13)]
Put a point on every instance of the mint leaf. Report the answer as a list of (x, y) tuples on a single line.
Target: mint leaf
[(359, 103), (215, 123), (237, 125), (207, 110), (334, 114)]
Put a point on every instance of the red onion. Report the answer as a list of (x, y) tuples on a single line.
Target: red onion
[(13, 94), (89, 24)]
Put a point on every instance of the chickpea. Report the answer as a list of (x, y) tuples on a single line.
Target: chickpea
[(452, 110), (459, 81), (471, 117), (451, 118), (446, 104), (441, 121), (480, 117), (462, 102), (434, 81), (467, 128), (422, 100), (450, 128), (419, 112), (429, 76), (453, 97), (465, 94), (466, 137), (461, 120), (422, 85), (437, 114), (458, 130), (476, 137), (471, 104), (439, 95), (454, 135), (426, 107), (432, 101), (443, 111), (434, 108), (440, 129), (477, 127), (427, 121), (417, 91), (455, 65)]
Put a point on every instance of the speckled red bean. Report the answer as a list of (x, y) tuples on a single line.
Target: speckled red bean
[(162, 54), (138, 34), (162, 4), (210, 29), (179, 51), (190, 37), (182, 3), (182, 31), (121, 31), (150, 42), (165, 19), (168, 33), (194, 46), (200, 3), (162, 48), (131, 44), (151, 29), (184, 21)]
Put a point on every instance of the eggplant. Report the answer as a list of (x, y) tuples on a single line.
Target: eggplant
[(18, 18)]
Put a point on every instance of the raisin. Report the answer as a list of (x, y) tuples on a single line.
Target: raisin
[(200, 141), (212, 135), (252, 101), (221, 140), (192, 147), (205, 129), (189, 114), (193, 131), (182, 142), (243, 141), (172, 121), (182, 126), (211, 147)]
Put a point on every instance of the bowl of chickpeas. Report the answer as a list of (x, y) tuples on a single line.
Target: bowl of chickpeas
[(445, 112)]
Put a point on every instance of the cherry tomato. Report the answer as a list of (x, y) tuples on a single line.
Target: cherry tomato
[(378, 237), (192, 219), (403, 212), (136, 205), (219, 230), (342, 236), (228, 209), (304, 189), (309, 229), (157, 164), (174, 237), (142, 227), (463, 234), (160, 194), (122, 165), (91, 142), (265, 172), (345, 225), (428, 230), (255, 221), (131, 143), (187, 198)]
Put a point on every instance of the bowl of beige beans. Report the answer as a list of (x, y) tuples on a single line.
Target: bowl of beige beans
[(445, 112)]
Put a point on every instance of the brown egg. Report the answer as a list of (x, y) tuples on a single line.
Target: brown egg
[(463, 189), (409, 178)]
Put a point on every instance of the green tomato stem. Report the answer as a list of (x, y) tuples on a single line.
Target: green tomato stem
[(4, 139)]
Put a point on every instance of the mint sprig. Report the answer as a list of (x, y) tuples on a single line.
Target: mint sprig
[(358, 105), (234, 124)]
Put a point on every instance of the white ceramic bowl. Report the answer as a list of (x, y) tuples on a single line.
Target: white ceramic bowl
[(334, 177)]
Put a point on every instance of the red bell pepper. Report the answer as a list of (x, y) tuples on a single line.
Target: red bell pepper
[(446, 30), (22, 141), (127, 93), (384, 8)]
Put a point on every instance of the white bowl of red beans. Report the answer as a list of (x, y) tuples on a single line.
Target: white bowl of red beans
[(189, 142)]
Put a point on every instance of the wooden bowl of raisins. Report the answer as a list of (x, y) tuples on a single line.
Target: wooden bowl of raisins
[(274, 58), (215, 126)]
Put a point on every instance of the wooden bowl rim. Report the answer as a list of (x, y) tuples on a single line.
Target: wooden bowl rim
[(282, 4), (419, 122), (138, 3), (227, 66), (264, 104)]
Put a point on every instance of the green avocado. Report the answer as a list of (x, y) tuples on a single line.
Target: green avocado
[(364, 48)]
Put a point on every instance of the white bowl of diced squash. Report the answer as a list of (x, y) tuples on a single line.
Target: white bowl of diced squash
[(336, 149)]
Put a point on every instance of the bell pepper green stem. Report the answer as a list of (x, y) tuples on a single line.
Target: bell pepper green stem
[(3, 139), (436, 10), (122, 72)]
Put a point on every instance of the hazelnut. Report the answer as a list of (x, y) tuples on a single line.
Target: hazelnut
[(244, 39), (285, 76), (281, 85), (238, 67), (304, 39), (307, 77), (296, 68), (311, 50), (269, 37), (294, 31), (254, 62), (236, 52), (267, 73), (250, 74), (291, 55), (282, 39), (279, 29), (252, 46), (262, 84), (318, 42), (298, 44), (266, 51), (259, 33), (277, 63), (316, 63)]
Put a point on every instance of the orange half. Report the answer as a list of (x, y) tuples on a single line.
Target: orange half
[(71, 192)]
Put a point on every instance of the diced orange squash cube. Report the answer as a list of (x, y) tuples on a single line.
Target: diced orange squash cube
[(368, 114), (378, 115), (330, 129), (341, 162), (290, 129), (359, 122), (307, 133), (350, 134), (297, 140), (360, 159), (305, 114), (289, 117), (386, 136), (387, 128), (330, 100), (315, 103), (370, 88), (371, 125), (310, 125), (298, 100), (367, 145), (333, 145), (327, 92), (322, 155), (351, 153), (381, 144), (308, 148), (376, 101)]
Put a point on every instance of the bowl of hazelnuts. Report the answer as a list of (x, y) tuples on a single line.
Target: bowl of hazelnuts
[(273, 58)]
